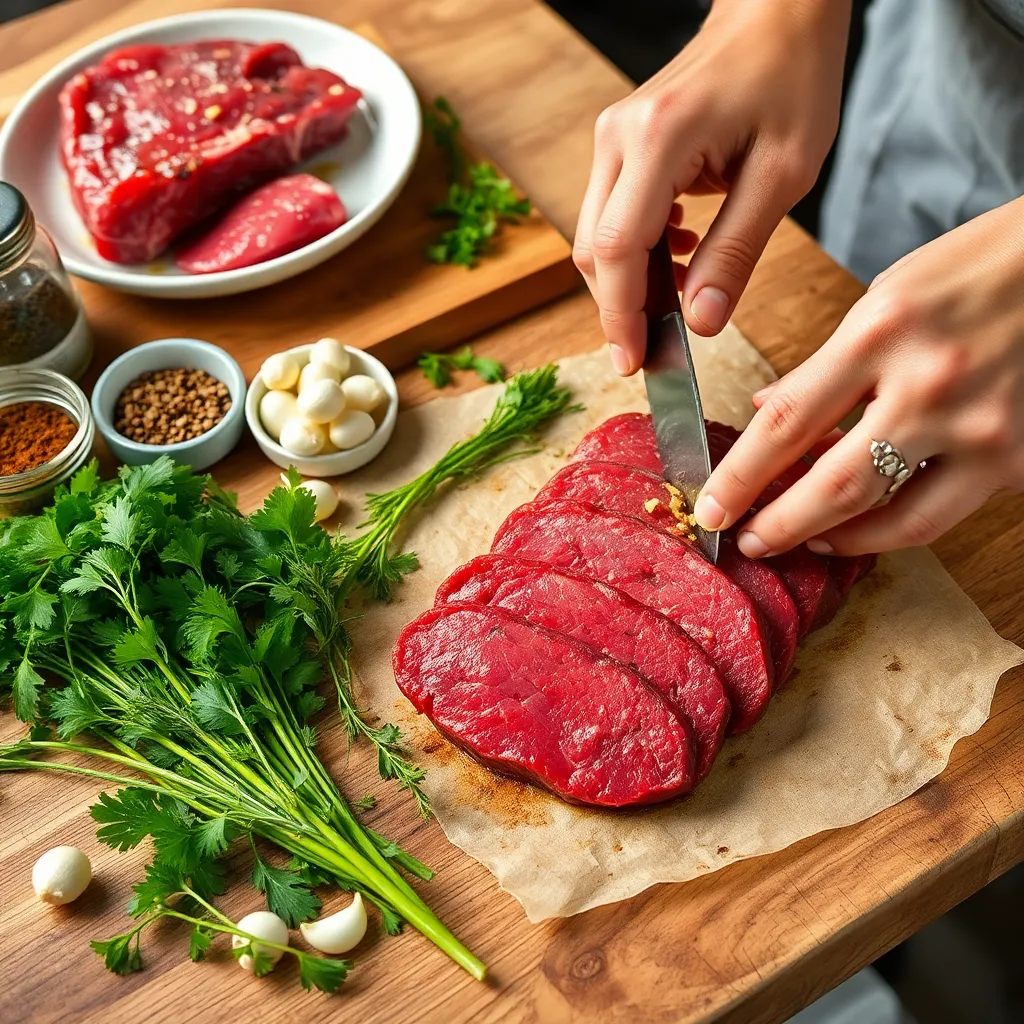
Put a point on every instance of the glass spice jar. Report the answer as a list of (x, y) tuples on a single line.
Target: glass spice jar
[(42, 324), (27, 492)]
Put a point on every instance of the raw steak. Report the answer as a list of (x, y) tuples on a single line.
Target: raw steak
[(619, 488), (613, 624), (156, 138), (275, 219), (538, 705), (660, 572)]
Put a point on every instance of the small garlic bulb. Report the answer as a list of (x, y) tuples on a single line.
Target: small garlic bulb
[(280, 371), (340, 932), (275, 408), (263, 925), (302, 437), (351, 429), (61, 875), (333, 353), (362, 392), (322, 400)]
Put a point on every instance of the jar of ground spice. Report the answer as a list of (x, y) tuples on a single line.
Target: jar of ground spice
[(42, 325), (46, 436)]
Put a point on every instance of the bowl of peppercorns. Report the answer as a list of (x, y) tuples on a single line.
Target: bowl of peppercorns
[(178, 396)]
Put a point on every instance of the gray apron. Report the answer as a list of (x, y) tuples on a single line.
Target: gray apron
[(933, 129)]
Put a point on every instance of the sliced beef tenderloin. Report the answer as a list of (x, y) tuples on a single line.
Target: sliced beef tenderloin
[(540, 706), (619, 488), (612, 623), (627, 438), (661, 572)]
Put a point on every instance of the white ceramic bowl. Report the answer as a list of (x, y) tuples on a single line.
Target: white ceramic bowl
[(367, 169), (170, 354), (335, 463)]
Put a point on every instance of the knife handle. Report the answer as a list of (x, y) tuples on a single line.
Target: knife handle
[(662, 296)]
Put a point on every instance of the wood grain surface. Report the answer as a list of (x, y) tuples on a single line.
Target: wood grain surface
[(750, 944)]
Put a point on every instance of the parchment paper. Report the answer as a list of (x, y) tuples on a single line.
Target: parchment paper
[(874, 706)]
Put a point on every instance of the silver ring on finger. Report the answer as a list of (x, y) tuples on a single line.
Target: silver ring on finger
[(889, 462)]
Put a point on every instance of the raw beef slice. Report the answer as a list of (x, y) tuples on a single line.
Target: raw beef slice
[(612, 623), (619, 488), (816, 583), (661, 572), (157, 138), (540, 706)]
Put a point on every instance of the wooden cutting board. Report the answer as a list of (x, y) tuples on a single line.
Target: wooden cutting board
[(381, 294)]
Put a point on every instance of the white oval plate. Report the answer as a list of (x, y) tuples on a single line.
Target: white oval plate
[(367, 168)]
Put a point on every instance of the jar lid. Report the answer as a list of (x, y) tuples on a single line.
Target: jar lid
[(17, 225)]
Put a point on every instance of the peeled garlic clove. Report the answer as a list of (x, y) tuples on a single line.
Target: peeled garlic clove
[(302, 437), (61, 875), (322, 401), (340, 932), (280, 371), (263, 925), (351, 429), (312, 372), (275, 408), (323, 493), (333, 353), (362, 392)]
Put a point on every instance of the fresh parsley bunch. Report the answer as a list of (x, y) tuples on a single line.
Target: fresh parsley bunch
[(190, 640)]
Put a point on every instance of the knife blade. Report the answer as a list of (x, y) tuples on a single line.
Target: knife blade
[(672, 391)]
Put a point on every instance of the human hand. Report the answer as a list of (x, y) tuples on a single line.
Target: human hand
[(936, 349), (749, 108)]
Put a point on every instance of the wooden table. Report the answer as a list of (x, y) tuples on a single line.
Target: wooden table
[(752, 943)]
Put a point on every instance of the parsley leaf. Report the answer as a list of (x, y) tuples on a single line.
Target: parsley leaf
[(120, 954), (479, 198), (199, 942), (437, 366), (26, 686), (322, 973), (287, 894)]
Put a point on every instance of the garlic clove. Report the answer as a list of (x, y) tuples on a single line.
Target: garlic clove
[(333, 353), (61, 875), (275, 408), (339, 932), (351, 429), (263, 925), (323, 493), (312, 372), (321, 401), (302, 437), (362, 392), (280, 371)]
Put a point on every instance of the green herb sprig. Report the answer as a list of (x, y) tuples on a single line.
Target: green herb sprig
[(438, 367), (479, 198)]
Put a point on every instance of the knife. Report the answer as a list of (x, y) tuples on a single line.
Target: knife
[(672, 391)]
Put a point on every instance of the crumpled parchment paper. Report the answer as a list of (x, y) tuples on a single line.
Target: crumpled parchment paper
[(875, 704)]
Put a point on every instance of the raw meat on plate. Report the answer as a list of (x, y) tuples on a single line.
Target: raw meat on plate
[(273, 220), (536, 704), (155, 139), (609, 621), (661, 572)]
